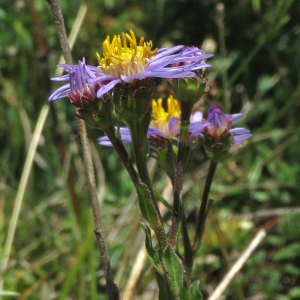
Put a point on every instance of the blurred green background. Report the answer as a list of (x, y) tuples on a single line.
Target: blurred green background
[(255, 70)]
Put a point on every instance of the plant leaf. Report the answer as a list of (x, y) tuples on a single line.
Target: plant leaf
[(152, 254), (146, 204), (195, 291), (175, 271)]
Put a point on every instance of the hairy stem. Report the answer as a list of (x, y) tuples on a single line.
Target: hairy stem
[(188, 250), (112, 290), (184, 126)]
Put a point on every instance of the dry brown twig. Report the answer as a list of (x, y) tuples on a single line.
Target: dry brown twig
[(112, 290)]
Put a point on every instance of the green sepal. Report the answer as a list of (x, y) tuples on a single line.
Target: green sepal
[(145, 202), (162, 295), (142, 100), (163, 201), (216, 147), (189, 90), (195, 291), (152, 254), (98, 114), (175, 271), (133, 100)]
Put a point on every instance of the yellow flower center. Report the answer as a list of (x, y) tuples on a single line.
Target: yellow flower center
[(123, 60), (160, 117)]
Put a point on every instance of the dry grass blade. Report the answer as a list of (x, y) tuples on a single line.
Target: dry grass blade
[(237, 266), (30, 156)]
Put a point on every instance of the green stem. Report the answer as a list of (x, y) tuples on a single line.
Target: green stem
[(140, 145), (120, 149), (203, 207)]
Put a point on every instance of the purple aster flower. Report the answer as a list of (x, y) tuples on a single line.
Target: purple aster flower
[(220, 126), (78, 87), (97, 112), (128, 64)]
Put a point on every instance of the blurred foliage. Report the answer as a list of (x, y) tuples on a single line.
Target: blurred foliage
[(255, 70)]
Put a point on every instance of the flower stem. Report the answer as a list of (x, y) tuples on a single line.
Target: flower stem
[(120, 149), (140, 150), (203, 207), (112, 289)]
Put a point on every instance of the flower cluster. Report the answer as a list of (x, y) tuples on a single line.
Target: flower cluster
[(127, 62)]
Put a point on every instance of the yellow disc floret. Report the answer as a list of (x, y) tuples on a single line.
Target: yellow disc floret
[(160, 117), (120, 59)]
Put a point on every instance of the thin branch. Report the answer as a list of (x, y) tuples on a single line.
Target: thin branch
[(112, 289), (238, 265)]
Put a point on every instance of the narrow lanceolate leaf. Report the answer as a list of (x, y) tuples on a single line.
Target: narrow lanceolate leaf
[(163, 201), (195, 291), (175, 271), (147, 209), (152, 254)]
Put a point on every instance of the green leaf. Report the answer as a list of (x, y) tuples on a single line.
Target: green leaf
[(288, 252), (163, 201), (153, 255), (146, 204), (294, 292), (195, 291), (161, 285), (292, 269), (175, 271)]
